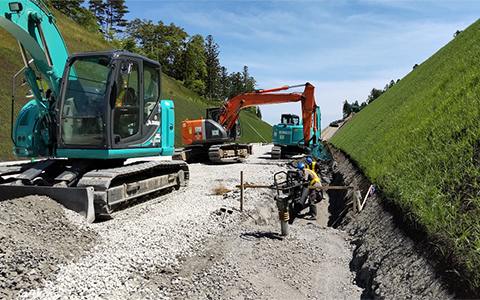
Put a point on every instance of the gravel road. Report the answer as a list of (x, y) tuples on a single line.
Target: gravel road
[(190, 244)]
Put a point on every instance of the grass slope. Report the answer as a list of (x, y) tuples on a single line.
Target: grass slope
[(187, 104), (420, 143)]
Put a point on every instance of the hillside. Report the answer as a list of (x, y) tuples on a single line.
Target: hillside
[(420, 144), (187, 104)]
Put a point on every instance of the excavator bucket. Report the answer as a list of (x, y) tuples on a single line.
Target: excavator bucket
[(78, 199), (321, 151)]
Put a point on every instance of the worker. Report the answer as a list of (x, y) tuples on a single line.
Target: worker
[(313, 165), (126, 97), (309, 195)]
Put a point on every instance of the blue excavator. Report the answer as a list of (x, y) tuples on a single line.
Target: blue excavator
[(296, 136), (80, 134)]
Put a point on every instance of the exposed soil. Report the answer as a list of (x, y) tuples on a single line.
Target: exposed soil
[(195, 244), (389, 264)]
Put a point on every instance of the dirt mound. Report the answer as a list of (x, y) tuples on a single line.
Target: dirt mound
[(35, 237)]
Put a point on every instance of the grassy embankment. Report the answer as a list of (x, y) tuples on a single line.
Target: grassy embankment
[(420, 144), (187, 104)]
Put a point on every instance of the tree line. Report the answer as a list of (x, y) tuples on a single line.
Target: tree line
[(354, 107), (190, 59)]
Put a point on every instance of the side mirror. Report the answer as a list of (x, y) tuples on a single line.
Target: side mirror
[(126, 67)]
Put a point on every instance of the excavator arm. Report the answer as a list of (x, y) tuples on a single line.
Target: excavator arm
[(32, 24), (230, 109)]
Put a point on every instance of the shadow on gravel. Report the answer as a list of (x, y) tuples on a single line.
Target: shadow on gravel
[(258, 235)]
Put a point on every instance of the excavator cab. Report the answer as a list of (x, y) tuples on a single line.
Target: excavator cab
[(214, 113), (109, 106), (290, 119)]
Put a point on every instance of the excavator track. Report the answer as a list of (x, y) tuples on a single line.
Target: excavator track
[(118, 185), (276, 152), (97, 192), (191, 154), (229, 153)]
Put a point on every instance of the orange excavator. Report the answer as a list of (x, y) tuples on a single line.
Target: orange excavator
[(211, 139)]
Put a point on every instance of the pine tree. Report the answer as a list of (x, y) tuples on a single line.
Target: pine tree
[(115, 11), (213, 68), (110, 15), (97, 7)]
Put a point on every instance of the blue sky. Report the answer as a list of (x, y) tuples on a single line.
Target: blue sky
[(343, 47)]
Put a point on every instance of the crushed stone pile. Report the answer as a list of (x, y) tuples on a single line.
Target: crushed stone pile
[(35, 238)]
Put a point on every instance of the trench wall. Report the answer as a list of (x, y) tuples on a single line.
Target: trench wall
[(388, 263)]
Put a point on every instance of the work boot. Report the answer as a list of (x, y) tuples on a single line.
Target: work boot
[(312, 214), (313, 210)]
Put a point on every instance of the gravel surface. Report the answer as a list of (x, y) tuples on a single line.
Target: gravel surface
[(190, 244)]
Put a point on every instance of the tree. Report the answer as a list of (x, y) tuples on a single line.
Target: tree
[(129, 44), (68, 8), (97, 7), (172, 44), (115, 11), (109, 15), (213, 68), (249, 82), (163, 43), (74, 10), (388, 86), (87, 20), (346, 109), (374, 94), (195, 67), (258, 113), (145, 35), (224, 84), (235, 85)]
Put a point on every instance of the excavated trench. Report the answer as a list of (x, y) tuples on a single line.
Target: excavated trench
[(390, 260)]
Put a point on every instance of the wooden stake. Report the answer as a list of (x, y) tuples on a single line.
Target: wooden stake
[(241, 191), (355, 199)]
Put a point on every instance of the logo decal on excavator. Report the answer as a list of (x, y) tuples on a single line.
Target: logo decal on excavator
[(152, 123)]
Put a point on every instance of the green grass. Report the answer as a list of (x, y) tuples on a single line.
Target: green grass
[(187, 104), (420, 143)]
